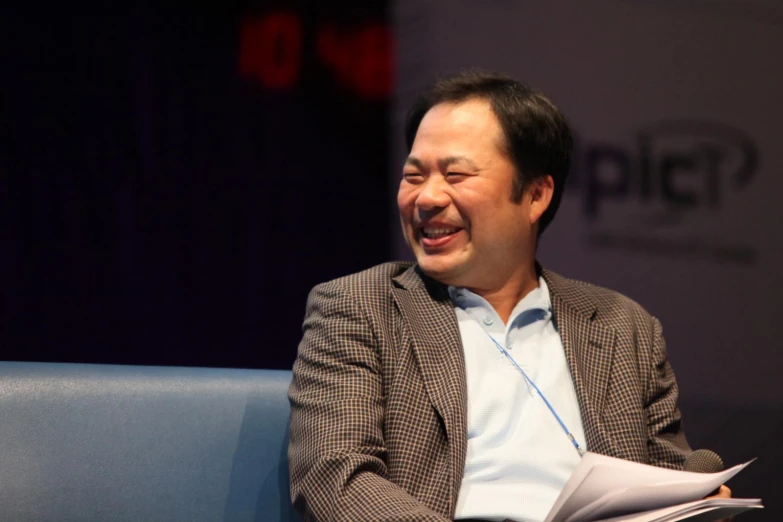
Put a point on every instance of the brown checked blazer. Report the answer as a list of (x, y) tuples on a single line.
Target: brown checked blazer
[(379, 399)]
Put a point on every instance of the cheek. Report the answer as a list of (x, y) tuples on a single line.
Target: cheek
[(492, 222), (401, 201), (406, 201)]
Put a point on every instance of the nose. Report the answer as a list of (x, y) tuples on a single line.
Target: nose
[(433, 194)]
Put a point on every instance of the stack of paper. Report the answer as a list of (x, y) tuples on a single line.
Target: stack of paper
[(607, 489)]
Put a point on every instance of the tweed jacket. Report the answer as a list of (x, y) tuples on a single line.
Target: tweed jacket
[(379, 395)]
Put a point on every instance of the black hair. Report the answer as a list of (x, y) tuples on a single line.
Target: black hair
[(537, 136)]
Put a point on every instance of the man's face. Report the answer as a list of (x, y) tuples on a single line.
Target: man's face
[(455, 199)]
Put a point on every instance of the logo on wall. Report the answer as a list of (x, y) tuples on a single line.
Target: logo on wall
[(642, 198)]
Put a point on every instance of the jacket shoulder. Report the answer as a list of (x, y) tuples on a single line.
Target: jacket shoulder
[(609, 305), (372, 282)]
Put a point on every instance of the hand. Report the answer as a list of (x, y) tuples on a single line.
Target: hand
[(723, 492)]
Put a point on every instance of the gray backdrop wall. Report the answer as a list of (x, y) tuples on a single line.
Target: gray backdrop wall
[(674, 194)]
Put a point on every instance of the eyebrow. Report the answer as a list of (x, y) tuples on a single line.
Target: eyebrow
[(443, 163)]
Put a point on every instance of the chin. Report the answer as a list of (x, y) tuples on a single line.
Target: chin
[(441, 270)]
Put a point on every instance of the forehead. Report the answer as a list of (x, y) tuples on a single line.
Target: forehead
[(469, 125)]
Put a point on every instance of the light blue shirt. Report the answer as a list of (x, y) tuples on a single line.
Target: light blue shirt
[(518, 457)]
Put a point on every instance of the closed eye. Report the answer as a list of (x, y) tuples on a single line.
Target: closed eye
[(413, 177)]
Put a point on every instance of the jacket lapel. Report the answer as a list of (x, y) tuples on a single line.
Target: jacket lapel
[(589, 347), (427, 309)]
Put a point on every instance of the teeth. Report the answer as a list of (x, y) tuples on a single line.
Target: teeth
[(436, 232)]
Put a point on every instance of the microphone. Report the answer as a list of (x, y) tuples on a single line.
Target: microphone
[(704, 461)]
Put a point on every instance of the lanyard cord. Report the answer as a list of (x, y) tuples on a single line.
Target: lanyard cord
[(530, 381)]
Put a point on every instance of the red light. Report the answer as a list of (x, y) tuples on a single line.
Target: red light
[(271, 50), (374, 75), (361, 57)]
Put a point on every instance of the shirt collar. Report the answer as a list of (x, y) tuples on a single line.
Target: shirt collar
[(536, 301)]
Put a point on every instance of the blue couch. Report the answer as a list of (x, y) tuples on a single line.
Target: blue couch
[(100, 442)]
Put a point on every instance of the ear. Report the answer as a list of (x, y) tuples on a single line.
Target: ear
[(540, 192)]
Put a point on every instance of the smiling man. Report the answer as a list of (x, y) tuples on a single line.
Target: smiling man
[(468, 384)]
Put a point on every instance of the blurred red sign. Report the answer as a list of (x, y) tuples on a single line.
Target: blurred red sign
[(360, 56)]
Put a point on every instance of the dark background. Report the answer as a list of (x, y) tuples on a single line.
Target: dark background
[(175, 179)]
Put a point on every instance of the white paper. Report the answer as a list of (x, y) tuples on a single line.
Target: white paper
[(709, 509), (602, 487)]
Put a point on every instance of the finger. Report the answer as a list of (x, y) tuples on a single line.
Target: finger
[(723, 492)]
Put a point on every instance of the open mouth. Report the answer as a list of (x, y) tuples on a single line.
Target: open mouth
[(438, 237), (438, 232)]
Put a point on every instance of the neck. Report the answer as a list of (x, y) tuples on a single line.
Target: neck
[(504, 296)]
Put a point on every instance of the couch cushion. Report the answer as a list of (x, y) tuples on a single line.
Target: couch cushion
[(103, 442)]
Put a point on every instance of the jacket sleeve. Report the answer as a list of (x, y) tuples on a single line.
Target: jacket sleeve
[(336, 451), (666, 443)]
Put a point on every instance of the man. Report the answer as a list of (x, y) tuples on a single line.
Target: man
[(468, 384)]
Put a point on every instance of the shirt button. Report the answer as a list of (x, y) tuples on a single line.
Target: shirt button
[(488, 320)]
